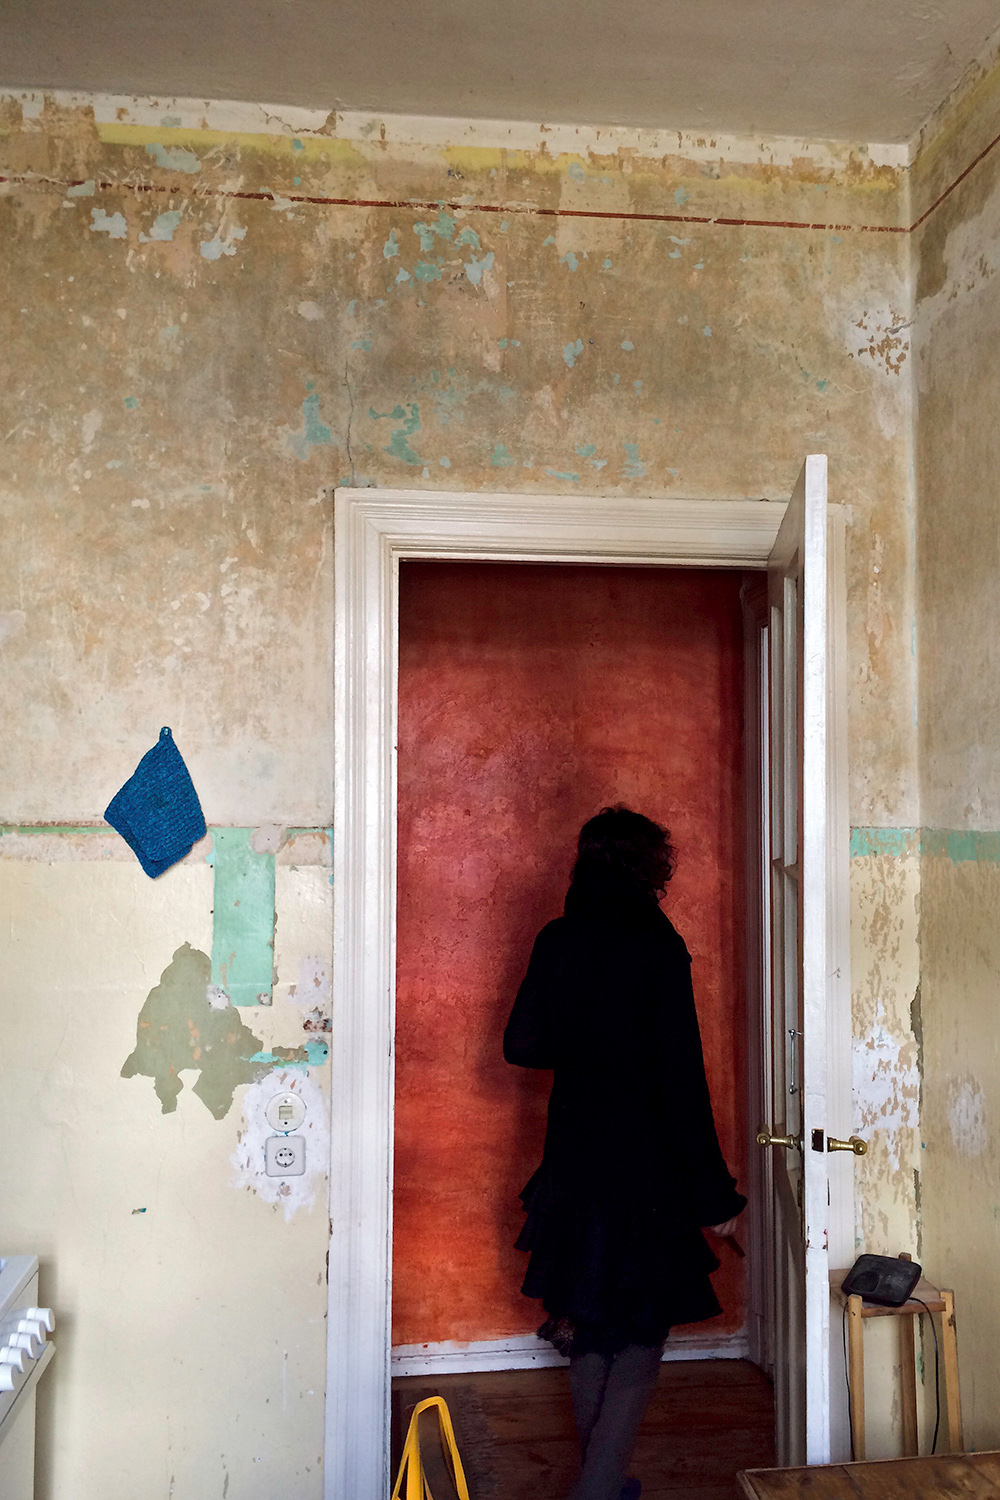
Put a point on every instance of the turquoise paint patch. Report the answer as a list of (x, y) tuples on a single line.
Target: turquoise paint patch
[(500, 458), (571, 352), (561, 474), (398, 446), (214, 249), (470, 237), (607, 263), (707, 331), (821, 385), (699, 265), (634, 467), (576, 172), (361, 344), (892, 841), (243, 917), (587, 450), (508, 343), (163, 226), (680, 196), (275, 1060), (445, 463), (961, 845), (297, 145), (317, 1053), (402, 275), (131, 402), (549, 239), (474, 268), (113, 225), (81, 189), (627, 345), (352, 307), (173, 158), (444, 225), (391, 246), (569, 259), (637, 385), (425, 271), (314, 431), (296, 182)]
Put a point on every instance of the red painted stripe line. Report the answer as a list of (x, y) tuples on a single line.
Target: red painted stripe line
[(960, 178), (415, 206)]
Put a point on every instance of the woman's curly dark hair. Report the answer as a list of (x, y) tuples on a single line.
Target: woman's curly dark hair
[(622, 848)]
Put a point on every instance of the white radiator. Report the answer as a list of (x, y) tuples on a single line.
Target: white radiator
[(25, 1351)]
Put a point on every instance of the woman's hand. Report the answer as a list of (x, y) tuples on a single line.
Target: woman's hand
[(724, 1230)]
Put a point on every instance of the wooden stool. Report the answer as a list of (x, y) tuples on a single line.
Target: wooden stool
[(926, 1299)]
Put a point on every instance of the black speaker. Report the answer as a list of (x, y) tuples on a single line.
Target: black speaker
[(882, 1279)]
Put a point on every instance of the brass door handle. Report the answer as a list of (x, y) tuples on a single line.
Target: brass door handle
[(765, 1138), (854, 1143)]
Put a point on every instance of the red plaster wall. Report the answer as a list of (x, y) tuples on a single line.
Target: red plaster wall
[(530, 697)]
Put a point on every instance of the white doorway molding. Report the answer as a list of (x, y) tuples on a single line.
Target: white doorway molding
[(374, 531)]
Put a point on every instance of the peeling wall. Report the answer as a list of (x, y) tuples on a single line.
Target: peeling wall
[(211, 319), (958, 460)]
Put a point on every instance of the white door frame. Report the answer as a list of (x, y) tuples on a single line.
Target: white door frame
[(373, 531)]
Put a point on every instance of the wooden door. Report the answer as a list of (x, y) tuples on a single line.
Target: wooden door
[(795, 1091)]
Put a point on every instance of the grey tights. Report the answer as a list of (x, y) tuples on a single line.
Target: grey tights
[(610, 1395)]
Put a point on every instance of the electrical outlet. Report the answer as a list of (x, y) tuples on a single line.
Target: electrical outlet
[(285, 1155)]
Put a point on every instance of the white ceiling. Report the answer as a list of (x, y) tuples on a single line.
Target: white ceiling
[(859, 70)]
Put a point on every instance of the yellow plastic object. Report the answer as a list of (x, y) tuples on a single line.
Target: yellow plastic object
[(411, 1466)]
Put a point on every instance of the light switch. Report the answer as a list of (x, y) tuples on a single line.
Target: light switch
[(285, 1112)]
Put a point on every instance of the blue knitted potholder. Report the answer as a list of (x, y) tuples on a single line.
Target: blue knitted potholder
[(157, 811)]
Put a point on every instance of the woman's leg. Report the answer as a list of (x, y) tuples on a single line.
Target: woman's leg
[(629, 1384), (588, 1375)]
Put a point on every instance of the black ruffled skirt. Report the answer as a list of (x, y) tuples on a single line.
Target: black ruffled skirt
[(612, 1269)]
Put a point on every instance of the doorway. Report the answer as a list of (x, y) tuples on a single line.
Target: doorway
[(375, 532), (529, 697)]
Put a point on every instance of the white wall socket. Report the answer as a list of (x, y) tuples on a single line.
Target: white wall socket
[(284, 1155)]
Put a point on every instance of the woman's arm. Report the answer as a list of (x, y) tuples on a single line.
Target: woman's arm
[(527, 1040), (710, 1184)]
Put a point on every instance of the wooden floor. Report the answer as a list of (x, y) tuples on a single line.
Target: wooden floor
[(708, 1419)]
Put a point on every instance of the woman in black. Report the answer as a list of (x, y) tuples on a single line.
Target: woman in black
[(632, 1170)]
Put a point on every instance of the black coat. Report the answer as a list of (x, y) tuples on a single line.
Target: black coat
[(632, 1167)]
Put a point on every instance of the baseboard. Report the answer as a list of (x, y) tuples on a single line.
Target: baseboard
[(528, 1352)]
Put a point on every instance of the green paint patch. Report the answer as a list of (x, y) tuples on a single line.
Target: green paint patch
[(163, 226), (391, 246), (500, 458), (399, 446), (179, 1029), (314, 431), (470, 237), (508, 343), (426, 270), (173, 158), (587, 450), (364, 344), (569, 260), (474, 269), (961, 845), (563, 474), (958, 845), (572, 352), (633, 468), (243, 917), (131, 402)]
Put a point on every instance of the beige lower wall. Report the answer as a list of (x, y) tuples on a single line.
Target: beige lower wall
[(191, 1332), (960, 990)]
